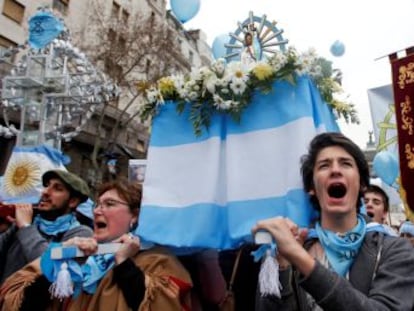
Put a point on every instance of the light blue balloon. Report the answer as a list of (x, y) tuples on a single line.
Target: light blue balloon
[(219, 49), (337, 48), (43, 28), (386, 166), (185, 10)]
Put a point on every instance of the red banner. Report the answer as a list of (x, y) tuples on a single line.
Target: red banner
[(403, 86)]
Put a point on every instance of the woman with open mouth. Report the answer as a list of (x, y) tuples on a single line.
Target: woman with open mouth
[(132, 278)]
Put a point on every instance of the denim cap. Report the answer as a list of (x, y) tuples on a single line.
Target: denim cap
[(76, 184)]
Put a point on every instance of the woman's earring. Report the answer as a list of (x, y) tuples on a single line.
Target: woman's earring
[(132, 225)]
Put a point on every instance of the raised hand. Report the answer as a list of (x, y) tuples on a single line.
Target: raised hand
[(23, 215), (130, 247)]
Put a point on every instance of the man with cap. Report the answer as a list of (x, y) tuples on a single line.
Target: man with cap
[(54, 221)]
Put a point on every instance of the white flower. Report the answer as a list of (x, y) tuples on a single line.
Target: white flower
[(218, 101), (205, 72), (236, 70), (152, 95), (210, 83), (192, 96), (278, 60), (238, 86), (222, 104), (221, 83), (178, 82), (225, 90), (227, 105)]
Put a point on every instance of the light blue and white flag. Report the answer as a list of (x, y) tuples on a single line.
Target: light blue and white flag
[(381, 102), (209, 191), (22, 180)]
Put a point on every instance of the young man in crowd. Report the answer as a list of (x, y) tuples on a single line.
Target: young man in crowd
[(343, 265), (377, 206), (55, 221)]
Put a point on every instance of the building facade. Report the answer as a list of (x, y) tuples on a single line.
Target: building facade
[(95, 25)]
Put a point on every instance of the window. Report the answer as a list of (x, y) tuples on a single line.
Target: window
[(5, 44), (61, 6), (116, 8), (13, 10)]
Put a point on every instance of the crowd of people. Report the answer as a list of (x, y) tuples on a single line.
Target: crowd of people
[(346, 260)]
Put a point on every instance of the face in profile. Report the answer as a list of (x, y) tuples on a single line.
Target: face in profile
[(113, 216), (56, 196)]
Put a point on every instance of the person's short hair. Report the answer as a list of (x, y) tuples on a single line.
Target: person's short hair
[(76, 185), (129, 191), (382, 193), (330, 139)]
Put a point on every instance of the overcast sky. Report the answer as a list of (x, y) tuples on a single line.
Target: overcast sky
[(368, 28)]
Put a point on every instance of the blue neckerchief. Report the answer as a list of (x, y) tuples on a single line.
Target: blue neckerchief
[(387, 230), (59, 225), (95, 269), (371, 227), (85, 277), (51, 267), (342, 250), (262, 250)]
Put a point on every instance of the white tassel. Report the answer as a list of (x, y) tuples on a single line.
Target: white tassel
[(269, 276), (63, 286)]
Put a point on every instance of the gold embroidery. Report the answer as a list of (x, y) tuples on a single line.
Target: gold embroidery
[(407, 122), (409, 155), (406, 75)]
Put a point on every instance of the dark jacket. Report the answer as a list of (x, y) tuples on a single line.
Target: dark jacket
[(18, 247), (381, 278)]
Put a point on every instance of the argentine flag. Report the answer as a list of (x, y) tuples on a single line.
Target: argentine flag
[(22, 180), (208, 191)]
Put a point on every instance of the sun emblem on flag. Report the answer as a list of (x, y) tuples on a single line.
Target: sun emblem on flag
[(21, 176)]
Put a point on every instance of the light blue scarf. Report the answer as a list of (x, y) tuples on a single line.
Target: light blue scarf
[(59, 225), (85, 277), (341, 250), (95, 269)]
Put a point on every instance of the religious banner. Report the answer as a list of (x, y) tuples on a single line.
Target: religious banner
[(209, 190), (381, 103), (403, 86)]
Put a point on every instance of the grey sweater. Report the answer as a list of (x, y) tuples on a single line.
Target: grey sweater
[(18, 247), (381, 278)]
